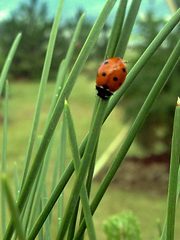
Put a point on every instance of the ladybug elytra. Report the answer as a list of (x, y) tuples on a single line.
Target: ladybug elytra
[(111, 74)]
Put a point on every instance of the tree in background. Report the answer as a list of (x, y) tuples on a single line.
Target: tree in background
[(30, 19), (156, 132)]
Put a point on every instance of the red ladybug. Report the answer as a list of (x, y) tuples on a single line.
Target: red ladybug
[(111, 74)]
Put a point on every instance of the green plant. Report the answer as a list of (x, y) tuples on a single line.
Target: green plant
[(31, 210), (123, 226), (173, 191), (161, 116)]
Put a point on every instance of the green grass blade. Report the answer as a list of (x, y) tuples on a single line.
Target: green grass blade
[(61, 159), (8, 62), (13, 209), (76, 158), (16, 180), (43, 82), (65, 64), (4, 154), (59, 106), (114, 100), (105, 158), (38, 189), (30, 213), (178, 189), (60, 154), (116, 30), (5, 128), (127, 28), (40, 205), (88, 153), (168, 229), (173, 178), (63, 69), (89, 182), (73, 222), (91, 172), (164, 75), (44, 78), (54, 197), (71, 49), (148, 53), (47, 226), (55, 194)]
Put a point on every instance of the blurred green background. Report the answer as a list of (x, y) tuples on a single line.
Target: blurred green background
[(141, 184)]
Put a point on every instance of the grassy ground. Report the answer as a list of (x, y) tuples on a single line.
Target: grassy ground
[(147, 206)]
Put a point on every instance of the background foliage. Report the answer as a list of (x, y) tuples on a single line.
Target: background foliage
[(158, 125), (32, 20)]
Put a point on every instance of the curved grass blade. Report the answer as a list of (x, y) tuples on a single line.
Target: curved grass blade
[(114, 100), (8, 62), (13, 209), (163, 77)]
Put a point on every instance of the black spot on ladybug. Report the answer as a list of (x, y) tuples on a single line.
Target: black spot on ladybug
[(124, 70), (103, 74), (115, 79), (106, 62)]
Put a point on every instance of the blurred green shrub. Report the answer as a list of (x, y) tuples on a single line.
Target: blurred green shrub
[(123, 226)]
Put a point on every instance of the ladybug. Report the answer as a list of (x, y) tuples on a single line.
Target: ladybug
[(110, 76)]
